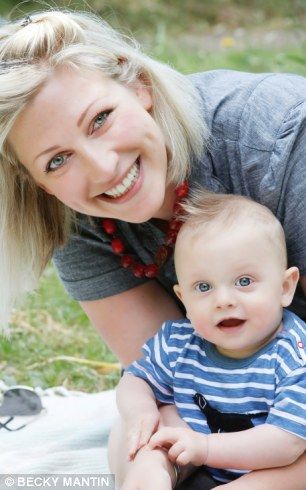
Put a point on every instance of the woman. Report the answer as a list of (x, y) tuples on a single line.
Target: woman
[(90, 126)]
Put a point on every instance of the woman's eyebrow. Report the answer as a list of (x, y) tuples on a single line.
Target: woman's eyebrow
[(82, 116), (79, 122), (52, 148)]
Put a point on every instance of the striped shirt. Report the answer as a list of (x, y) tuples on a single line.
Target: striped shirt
[(269, 386)]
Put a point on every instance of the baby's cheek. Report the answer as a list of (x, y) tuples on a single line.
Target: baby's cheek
[(268, 311)]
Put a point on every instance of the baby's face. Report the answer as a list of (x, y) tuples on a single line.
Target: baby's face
[(232, 286)]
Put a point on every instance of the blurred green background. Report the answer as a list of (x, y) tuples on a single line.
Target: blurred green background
[(52, 342)]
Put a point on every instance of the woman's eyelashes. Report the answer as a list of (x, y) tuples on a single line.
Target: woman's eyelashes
[(59, 160), (100, 119), (56, 162)]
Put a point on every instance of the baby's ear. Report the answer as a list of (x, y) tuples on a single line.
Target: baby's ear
[(177, 290), (291, 277)]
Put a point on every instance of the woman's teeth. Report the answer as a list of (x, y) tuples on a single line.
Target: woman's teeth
[(126, 184)]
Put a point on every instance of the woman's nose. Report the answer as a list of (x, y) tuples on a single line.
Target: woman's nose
[(100, 164)]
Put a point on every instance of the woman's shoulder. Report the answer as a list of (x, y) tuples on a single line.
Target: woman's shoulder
[(233, 99)]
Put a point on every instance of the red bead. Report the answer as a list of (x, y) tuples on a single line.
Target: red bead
[(109, 226), (171, 237), (163, 254), (177, 208), (151, 271), (175, 225), (127, 261), (138, 270), (117, 245), (182, 190)]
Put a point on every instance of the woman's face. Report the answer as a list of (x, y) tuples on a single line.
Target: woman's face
[(93, 144)]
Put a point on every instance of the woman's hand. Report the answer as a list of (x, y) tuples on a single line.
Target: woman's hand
[(138, 408), (139, 429), (150, 470), (186, 446)]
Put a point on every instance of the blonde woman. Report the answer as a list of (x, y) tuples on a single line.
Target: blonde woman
[(98, 145)]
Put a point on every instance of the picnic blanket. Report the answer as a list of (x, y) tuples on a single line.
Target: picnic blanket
[(70, 437)]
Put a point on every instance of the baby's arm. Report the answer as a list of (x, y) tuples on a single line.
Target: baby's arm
[(137, 406), (264, 446)]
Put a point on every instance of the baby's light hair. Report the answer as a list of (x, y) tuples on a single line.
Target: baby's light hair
[(219, 212)]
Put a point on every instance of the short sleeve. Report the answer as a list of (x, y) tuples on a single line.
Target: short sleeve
[(154, 367), (88, 267), (289, 409)]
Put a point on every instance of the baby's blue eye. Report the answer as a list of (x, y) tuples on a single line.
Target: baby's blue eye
[(203, 287), (243, 281)]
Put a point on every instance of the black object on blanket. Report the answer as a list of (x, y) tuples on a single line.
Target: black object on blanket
[(222, 421), (19, 401)]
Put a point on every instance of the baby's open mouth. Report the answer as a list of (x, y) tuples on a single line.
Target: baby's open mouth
[(231, 322)]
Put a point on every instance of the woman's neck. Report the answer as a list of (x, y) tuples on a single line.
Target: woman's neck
[(166, 211)]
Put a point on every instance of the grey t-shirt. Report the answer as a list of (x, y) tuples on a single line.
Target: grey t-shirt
[(257, 148)]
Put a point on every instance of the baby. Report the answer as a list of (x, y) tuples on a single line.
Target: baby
[(236, 367)]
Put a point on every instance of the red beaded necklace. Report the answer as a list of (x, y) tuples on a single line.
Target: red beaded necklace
[(163, 252)]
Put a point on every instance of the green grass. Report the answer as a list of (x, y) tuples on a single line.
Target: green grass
[(145, 15), (51, 324), (291, 60)]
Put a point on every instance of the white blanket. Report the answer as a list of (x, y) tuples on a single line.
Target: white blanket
[(71, 437)]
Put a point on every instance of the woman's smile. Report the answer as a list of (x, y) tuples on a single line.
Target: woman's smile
[(125, 185)]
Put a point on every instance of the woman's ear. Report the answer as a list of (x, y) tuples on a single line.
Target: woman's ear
[(144, 94), (291, 277)]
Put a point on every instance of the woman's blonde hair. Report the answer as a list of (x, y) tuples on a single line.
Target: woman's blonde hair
[(32, 222)]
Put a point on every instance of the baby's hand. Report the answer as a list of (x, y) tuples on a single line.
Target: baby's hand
[(140, 428), (186, 445)]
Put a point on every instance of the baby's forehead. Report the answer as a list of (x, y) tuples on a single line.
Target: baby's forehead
[(238, 231)]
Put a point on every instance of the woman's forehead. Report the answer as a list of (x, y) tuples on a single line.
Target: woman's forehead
[(64, 92)]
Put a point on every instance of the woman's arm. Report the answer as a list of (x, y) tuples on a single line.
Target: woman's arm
[(128, 319), (138, 408)]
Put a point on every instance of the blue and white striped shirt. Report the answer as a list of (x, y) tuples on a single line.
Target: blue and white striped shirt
[(271, 383)]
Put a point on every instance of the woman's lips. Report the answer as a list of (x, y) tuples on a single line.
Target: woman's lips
[(130, 193)]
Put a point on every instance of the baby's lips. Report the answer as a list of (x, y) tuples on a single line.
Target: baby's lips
[(231, 322)]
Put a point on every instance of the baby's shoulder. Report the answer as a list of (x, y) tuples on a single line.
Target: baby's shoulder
[(177, 333), (291, 341)]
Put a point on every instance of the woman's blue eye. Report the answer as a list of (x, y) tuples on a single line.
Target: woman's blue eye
[(100, 119), (56, 162), (243, 281), (203, 287)]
